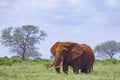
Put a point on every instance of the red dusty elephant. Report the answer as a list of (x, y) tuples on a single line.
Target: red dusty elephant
[(79, 56)]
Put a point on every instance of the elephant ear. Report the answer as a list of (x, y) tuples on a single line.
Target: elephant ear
[(74, 52)]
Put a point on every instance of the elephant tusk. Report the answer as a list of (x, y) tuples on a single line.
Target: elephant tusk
[(51, 65), (59, 65)]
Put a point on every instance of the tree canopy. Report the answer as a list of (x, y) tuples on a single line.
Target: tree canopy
[(107, 49), (22, 40)]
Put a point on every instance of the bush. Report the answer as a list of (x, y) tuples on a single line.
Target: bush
[(97, 61), (44, 62), (5, 61), (37, 60), (15, 59), (111, 61)]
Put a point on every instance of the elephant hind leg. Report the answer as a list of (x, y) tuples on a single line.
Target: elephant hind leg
[(90, 68), (84, 70)]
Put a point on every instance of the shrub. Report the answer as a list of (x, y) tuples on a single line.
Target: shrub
[(44, 62), (37, 60), (111, 61), (97, 61), (5, 61), (15, 59)]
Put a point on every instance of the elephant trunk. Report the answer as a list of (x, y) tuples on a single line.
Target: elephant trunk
[(59, 62)]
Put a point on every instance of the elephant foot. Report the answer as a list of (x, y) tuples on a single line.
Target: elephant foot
[(76, 72), (66, 72), (84, 71), (57, 70)]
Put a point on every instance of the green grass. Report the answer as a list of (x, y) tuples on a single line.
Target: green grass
[(38, 71)]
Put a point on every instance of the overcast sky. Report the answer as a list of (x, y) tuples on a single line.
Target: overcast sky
[(83, 21)]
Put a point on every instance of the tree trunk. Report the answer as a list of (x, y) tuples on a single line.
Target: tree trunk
[(111, 56), (23, 55)]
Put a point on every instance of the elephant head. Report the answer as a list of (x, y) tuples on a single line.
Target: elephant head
[(64, 51)]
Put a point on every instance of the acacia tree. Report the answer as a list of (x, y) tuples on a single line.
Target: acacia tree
[(107, 49), (22, 40)]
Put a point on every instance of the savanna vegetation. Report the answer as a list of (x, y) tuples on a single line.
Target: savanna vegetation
[(16, 69), (28, 65)]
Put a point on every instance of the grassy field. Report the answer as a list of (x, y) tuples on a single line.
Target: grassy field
[(28, 70)]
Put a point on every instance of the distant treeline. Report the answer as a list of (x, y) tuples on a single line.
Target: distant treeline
[(17, 59), (46, 62)]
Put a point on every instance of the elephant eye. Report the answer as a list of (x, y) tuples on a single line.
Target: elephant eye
[(63, 52)]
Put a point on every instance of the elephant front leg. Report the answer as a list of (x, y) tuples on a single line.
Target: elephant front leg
[(75, 69), (57, 70), (65, 68)]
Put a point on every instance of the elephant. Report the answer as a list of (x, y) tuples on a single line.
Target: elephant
[(79, 56)]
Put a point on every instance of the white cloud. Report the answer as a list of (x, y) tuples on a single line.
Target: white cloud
[(79, 4), (4, 3), (99, 19), (82, 4), (76, 2), (51, 11), (27, 5), (113, 3), (44, 4), (66, 20)]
